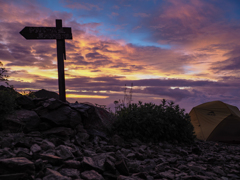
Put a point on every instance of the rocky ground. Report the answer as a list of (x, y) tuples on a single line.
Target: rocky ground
[(50, 156), (51, 140)]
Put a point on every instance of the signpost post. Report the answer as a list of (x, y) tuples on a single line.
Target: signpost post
[(60, 34)]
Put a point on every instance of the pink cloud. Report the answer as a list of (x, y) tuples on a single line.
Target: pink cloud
[(86, 6), (195, 30), (115, 14)]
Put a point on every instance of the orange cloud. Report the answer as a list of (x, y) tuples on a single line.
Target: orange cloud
[(202, 58)]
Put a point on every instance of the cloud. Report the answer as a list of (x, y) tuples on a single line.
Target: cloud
[(200, 64), (178, 21), (115, 14), (82, 5)]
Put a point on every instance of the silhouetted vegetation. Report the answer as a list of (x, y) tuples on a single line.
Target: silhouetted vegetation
[(154, 123), (3, 76)]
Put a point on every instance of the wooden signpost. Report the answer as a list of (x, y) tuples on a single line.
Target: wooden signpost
[(60, 34)]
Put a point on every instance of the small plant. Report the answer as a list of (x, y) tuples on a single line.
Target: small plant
[(150, 122), (126, 101)]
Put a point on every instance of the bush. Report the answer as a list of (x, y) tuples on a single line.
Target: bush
[(153, 123), (7, 101)]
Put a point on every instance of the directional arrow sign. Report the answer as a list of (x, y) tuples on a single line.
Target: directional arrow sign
[(46, 33), (60, 34)]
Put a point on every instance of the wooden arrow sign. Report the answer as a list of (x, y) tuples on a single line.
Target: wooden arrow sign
[(46, 33), (60, 34)]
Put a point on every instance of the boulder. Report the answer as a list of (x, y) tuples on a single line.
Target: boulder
[(95, 118), (16, 165), (91, 175), (46, 94), (22, 119), (52, 103), (25, 102), (62, 116)]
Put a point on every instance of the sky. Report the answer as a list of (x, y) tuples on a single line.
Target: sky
[(185, 51)]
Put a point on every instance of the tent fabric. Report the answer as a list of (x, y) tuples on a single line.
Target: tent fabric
[(216, 121)]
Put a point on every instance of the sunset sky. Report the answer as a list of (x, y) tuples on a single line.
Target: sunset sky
[(186, 51)]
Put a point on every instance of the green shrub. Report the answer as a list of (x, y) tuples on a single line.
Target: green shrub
[(154, 123)]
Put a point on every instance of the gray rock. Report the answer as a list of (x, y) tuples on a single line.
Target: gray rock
[(167, 174), (16, 165), (54, 175), (95, 117), (73, 173), (35, 148), (46, 94), (72, 164), (91, 175), (25, 120), (52, 103), (59, 131), (63, 116), (25, 102), (117, 140), (64, 152), (81, 137), (121, 177), (54, 160), (88, 163), (15, 176), (122, 167), (45, 145)]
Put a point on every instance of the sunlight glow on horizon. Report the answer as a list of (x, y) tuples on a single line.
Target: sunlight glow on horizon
[(172, 49), (85, 96)]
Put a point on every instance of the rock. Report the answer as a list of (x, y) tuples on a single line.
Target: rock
[(35, 148), (45, 145), (54, 175), (66, 147), (16, 165), (54, 160), (64, 152), (81, 138), (59, 131), (167, 174), (95, 118), (88, 164), (25, 120), (52, 104), (117, 140), (25, 102), (45, 94), (15, 176), (91, 175), (122, 167), (73, 173), (121, 177), (63, 116)]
